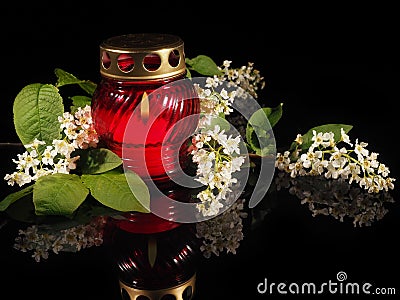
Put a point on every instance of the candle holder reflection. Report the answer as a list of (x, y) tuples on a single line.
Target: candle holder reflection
[(155, 265)]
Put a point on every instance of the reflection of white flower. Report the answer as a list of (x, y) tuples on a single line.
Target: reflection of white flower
[(71, 239), (336, 198), (222, 233)]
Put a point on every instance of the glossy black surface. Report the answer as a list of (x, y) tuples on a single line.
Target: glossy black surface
[(282, 241), (322, 72)]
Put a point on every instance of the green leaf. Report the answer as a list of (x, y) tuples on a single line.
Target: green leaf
[(36, 110), (307, 137), (79, 101), (112, 189), (258, 127), (188, 73), (65, 78), (58, 194), (203, 65), (266, 118), (261, 143), (273, 114), (99, 160), (252, 140), (11, 198)]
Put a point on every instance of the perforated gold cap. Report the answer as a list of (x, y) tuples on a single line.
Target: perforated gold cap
[(142, 56)]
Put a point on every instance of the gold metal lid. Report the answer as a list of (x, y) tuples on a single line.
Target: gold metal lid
[(142, 56)]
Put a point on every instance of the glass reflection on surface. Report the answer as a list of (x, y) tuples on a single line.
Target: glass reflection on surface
[(155, 264)]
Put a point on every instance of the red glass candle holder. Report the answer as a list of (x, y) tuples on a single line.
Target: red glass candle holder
[(143, 87)]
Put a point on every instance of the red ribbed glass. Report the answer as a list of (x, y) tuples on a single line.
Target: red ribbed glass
[(115, 105)]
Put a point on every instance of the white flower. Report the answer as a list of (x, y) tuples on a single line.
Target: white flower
[(63, 147), (360, 149), (212, 82), (337, 159), (35, 144), (30, 161), (332, 171), (213, 154), (299, 139), (317, 138), (19, 178), (308, 159), (48, 155), (282, 160), (65, 120), (227, 63), (355, 165), (60, 167), (236, 163), (41, 172), (344, 137), (382, 169), (231, 145)]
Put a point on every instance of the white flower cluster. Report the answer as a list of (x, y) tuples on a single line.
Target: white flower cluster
[(40, 159), (325, 157), (246, 77), (222, 232), (217, 156), (213, 102), (79, 128), (69, 240), (220, 91)]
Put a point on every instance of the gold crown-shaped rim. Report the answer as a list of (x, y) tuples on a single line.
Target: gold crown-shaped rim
[(143, 56)]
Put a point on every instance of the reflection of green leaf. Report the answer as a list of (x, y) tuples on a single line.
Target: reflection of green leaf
[(112, 190), (98, 160), (89, 210), (307, 137), (58, 194), (65, 78), (11, 198), (203, 65), (36, 110)]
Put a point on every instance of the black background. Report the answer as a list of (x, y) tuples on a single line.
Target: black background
[(333, 64)]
